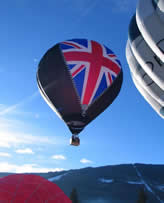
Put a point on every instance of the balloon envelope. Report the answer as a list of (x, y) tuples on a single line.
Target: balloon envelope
[(155, 105), (20, 188), (79, 79), (145, 85), (151, 26), (145, 56), (145, 81), (159, 7)]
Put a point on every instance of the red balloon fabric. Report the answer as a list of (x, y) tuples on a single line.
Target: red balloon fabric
[(26, 188)]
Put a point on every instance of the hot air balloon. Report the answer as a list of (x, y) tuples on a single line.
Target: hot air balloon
[(151, 64), (21, 188), (156, 106), (142, 77), (79, 79), (159, 7), (150, 21), (153, 94)]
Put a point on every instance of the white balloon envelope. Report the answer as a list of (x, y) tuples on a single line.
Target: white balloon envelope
[(145, 56), (155, 105), (159, 7), (150, 21), (141, 76)]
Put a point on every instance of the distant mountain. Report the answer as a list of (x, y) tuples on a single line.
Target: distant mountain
[(112, 184)]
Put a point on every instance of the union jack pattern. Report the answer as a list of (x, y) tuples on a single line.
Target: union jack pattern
[(93, 67)]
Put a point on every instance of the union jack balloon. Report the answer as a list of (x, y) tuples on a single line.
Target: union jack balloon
[(79, 79)]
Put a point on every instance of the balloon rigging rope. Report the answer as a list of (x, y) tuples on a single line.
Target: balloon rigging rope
[(37, 187), (19, 184), (17, 187)]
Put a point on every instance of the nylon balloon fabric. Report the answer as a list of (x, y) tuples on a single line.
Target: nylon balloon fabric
[(27, 188), (79, 79)]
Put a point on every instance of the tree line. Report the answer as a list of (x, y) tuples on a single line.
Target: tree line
[(142, 198)]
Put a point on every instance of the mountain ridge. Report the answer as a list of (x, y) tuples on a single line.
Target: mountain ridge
[(112, 183)]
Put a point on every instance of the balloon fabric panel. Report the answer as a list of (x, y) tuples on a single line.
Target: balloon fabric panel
[(21, 188)]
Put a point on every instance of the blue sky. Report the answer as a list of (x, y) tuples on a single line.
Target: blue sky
[(32, 137)]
